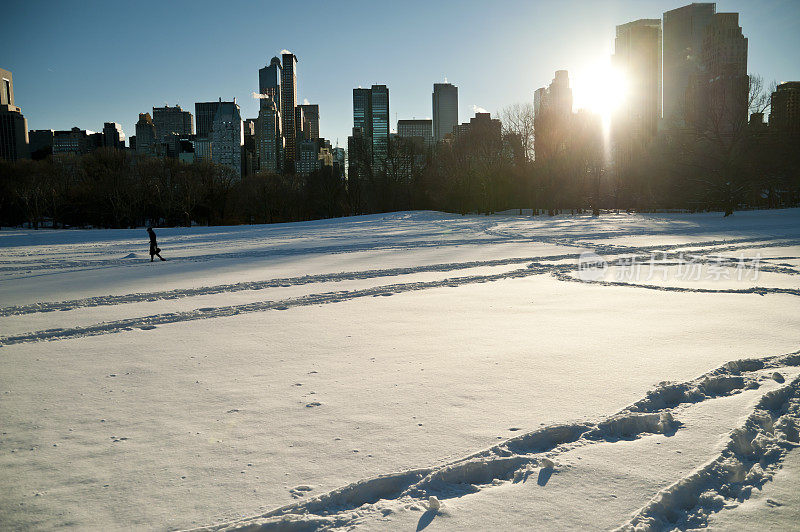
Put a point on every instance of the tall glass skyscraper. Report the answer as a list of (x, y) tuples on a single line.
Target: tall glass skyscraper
[(637, 53), (287, 104), (362, 111), (269, 80), (380, 124), (445, 110)]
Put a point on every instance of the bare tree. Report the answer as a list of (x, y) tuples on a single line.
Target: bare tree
[(758, 96), (518, 120)]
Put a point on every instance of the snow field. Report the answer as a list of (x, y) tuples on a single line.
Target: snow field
[(341, 373)]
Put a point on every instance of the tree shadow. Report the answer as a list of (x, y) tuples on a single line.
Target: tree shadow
[(425, 519)]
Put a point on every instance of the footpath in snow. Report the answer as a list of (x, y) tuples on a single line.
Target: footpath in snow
[(404, 371)]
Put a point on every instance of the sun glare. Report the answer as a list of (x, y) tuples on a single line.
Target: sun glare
[(601, 89)]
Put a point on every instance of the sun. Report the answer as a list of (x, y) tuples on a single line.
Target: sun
[(600, 88)]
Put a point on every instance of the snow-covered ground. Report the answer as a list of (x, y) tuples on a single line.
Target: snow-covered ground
[(340, 373)]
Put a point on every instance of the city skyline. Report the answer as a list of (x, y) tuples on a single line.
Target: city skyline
[(582, 43)]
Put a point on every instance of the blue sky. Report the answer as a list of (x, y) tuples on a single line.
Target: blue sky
[(86, 62)]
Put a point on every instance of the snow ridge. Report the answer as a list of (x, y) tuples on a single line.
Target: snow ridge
[(517, 458)]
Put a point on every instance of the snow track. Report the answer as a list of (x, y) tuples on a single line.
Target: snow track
[(749, 460), (149, 322), (110, 300)]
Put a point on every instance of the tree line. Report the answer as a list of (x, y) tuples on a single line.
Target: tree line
[(483, 170)]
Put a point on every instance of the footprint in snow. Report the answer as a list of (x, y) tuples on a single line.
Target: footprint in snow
[(313, 404), (281, 308), (300, 491), (147, 327)]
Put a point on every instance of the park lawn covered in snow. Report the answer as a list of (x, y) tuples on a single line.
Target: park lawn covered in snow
[(339, 373)]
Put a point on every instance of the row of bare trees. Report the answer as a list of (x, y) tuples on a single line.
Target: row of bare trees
[(114, 188)]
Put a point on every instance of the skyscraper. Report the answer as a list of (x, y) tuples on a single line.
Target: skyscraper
[(559, 94), (637, 54), (684, 31), (145, 135), (169, 120), (552, 116), (310, 120), (269, 143), (784, 116), (539, 96), (13, 125), (445, 110), (717, 100), (113, 136), (369, 144), (288, 102), (204, 113), (362, 111), (380, 124), (227, 136), (269, 80), (422, 129), (358, 147)]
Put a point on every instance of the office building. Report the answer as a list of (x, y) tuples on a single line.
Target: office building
[(288, 101), (338, 155), (422, 129), (146, 135), (40, 143), (310, 120), (362, 111), (369, 143), (113, 136), (445, 110), (637, 55), (482, 126), (204, 113), (784, 116), (168, 120), (717, 96), (269, 143), (227, 136), (13, 125), (76, 141), (269, 81), (552, 116), (684, 32), (380, 125)]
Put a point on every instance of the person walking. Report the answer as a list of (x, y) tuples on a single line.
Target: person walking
[(155, 251)]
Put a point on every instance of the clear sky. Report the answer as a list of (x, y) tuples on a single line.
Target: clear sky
[(86, 62)]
